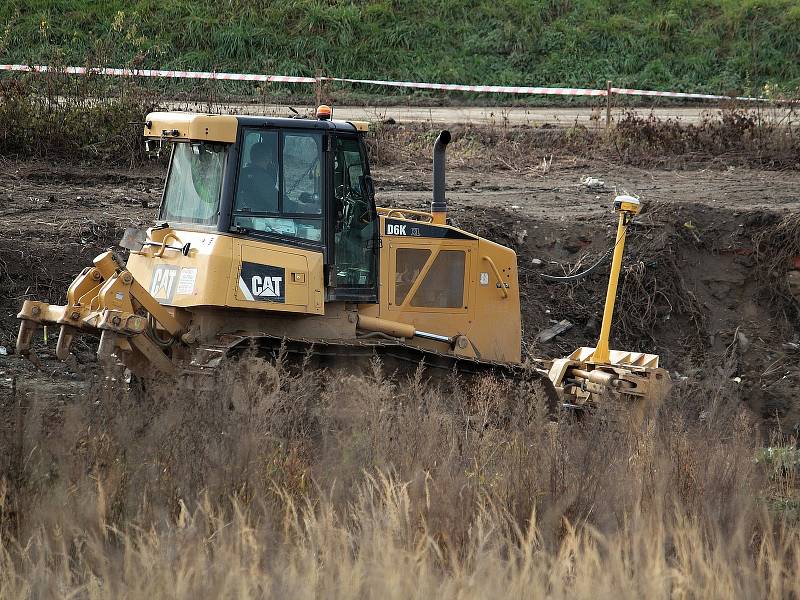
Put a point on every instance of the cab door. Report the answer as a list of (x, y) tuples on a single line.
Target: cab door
[(353, 269)]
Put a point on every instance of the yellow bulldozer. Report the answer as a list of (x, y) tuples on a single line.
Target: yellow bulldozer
[(268, 237)]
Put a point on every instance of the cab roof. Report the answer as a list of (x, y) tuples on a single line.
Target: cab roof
[(223, 128)]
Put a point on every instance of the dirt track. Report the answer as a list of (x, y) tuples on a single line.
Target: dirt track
[(475, 115), (694, 246)]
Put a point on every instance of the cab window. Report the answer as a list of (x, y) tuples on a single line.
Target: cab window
[(279, 187), (302, 174), (194, 183)]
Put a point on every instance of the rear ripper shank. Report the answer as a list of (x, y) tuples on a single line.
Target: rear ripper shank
[(268, 234)]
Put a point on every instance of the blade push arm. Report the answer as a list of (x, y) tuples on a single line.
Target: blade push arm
[(104, 299)]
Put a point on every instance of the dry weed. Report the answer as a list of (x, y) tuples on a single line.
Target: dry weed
[(314, 483), (738, 136)]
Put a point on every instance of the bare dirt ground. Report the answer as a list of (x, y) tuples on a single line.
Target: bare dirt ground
[(693, 290)]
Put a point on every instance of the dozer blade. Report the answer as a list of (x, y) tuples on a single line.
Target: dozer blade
[(105, 300), (633, 378)]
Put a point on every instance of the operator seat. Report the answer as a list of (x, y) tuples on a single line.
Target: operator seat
[(258, 181)]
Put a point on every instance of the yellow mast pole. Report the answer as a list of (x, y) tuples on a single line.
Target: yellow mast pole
[(626, 210)]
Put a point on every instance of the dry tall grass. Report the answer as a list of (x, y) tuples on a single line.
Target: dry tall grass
[(341, 486), (765, 138)]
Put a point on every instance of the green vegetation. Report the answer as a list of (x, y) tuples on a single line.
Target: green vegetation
[(697, 45)]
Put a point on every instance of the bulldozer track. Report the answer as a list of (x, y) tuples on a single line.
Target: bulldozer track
[(396, 356)]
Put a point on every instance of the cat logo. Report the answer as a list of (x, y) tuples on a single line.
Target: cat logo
[(262, 283), (162, 286), (266, 286)]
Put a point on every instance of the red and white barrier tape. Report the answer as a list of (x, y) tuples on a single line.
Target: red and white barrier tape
[(629, 92), (160, 73), (495, 89)]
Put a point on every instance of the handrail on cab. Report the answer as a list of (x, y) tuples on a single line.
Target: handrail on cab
[(405, 213)]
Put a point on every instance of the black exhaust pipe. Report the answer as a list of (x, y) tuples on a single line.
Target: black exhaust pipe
[(439, 204)]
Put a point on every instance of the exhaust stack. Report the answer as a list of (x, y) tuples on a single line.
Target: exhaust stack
[(439, 204)]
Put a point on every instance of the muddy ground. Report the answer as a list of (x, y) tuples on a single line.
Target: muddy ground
[(704, 280)]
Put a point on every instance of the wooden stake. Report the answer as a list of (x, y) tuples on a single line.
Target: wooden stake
[(318, 87), (608, 103)]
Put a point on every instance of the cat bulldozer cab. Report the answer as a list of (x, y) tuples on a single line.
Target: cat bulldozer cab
[(268, 238)]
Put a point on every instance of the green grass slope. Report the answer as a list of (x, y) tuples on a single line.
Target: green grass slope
[(697, 45)]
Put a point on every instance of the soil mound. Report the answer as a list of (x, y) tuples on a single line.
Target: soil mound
[(705, 288)]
